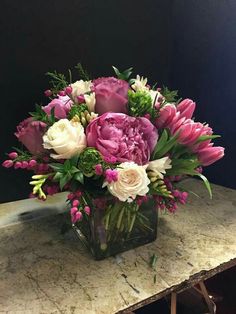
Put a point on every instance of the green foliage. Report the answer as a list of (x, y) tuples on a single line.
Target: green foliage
[(123, 75), (58, 81), (76, 110), (82, 72), (40, 115), (183, 166), (66, 172), (87, 161), (170, 96), (164, 145), (207, 137), (139, 103)]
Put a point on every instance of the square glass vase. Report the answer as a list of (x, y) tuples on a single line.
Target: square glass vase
[(114, 227)]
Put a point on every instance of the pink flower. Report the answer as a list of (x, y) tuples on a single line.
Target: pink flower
[(7, 163), (87, 210), (13, 155), (209, 155), (111, 95), (186, 108), (167, 114), (98, 169), (124, 137), (30, 133), (111, 175), (62, 106)]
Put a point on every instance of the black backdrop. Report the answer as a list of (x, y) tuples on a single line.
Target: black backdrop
[(187, 45)]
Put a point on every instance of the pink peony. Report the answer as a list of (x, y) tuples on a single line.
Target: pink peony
[(111, 95), (30, 133), (62, 106), (124, 137)]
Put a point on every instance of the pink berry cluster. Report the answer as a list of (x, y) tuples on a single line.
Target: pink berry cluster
[(66, 91), (78, 206)]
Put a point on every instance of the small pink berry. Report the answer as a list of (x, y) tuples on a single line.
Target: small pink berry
[(159, 89), (87, 210), (68, 90), (75, 203), (17, 165), (24, 164), (78, 193), (98, 169), (70, 196), (13, 155), (62, 93), (78, 216), (32, 163), (7, 163), (73, 210), (48, 93), (80, 99)]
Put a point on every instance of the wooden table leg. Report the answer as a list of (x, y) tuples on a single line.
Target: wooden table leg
[(206, 297), (173, 303)]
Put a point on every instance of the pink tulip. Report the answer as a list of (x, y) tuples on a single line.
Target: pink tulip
[(209, 155), (186, 108), (188, 133), (167, 114), (7, 163)]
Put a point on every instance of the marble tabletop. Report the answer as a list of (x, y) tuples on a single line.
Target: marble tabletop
[(44, 271)]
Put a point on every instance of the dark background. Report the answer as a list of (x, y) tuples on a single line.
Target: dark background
[(187, 45)]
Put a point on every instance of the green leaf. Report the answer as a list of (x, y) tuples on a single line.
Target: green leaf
[(82, 72), (67, 165), (65, 179), (206, 182), (207, 137), (167, 147), (183, 166), (74, 160), (170, 96), (79, 177), (57, 176), (123, 75), (161, 142), (74, 170), (57, 166)]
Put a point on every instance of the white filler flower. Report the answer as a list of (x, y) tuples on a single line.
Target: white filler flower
[(66, 138), (132, 181), (159, 166), (84, 88)]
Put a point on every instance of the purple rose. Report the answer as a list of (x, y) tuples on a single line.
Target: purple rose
[(62, 106), (111, 95), (30, 133), (124, 137)]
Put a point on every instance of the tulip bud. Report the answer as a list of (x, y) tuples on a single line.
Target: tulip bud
[(7, 163), (209, 155), (167, 113), (186, 108), (13, 155)]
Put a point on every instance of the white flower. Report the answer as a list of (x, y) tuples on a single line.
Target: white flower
[(90, 101), (140, 84), (66, 138), (80, 87), (158, 166), (132, 181), (154, 95)]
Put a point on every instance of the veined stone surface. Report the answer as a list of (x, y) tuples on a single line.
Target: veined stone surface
[(43, 271)]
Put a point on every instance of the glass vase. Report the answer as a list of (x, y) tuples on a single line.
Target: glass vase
[(114, 227)]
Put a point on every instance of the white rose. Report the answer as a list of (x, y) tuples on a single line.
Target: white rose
[(132, 181), (158, 166), (80, 87), (66, 138)]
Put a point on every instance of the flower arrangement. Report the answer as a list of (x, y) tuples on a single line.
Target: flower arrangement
[(118, 146)]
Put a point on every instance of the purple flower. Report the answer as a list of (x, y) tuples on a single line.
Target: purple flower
[(124, 137), (111, 175), (62, 106), (30, 133), (111, 95)]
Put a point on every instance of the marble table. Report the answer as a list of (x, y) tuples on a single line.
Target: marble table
[(44, 271)]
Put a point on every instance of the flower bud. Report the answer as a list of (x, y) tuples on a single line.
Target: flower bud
[(7, 163), (48, 93), (13, 155), (68, 90)]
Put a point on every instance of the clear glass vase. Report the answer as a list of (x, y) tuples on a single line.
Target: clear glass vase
[(114, 227)]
